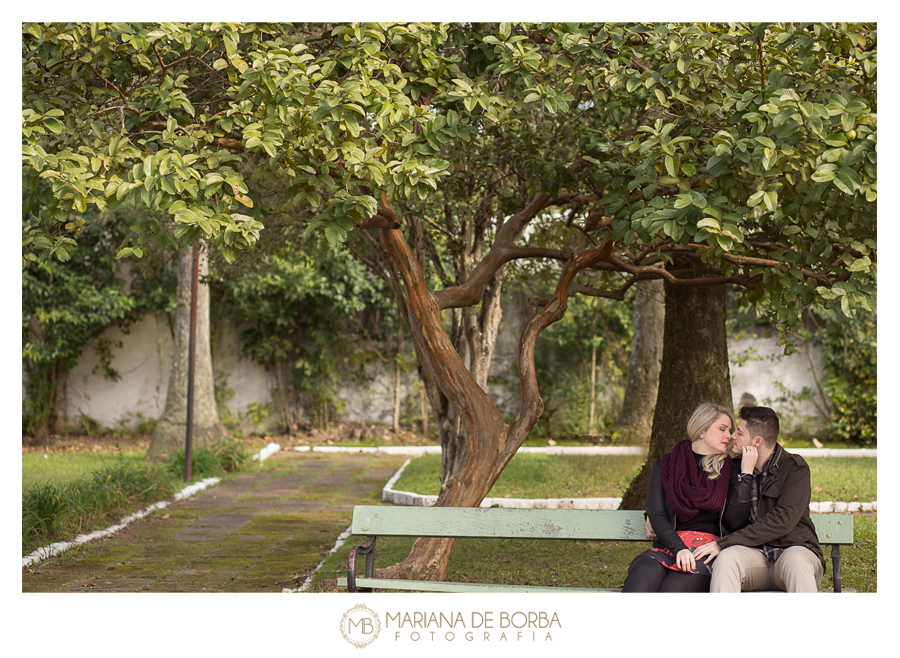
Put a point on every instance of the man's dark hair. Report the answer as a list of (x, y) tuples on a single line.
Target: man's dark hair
[(761, 421)]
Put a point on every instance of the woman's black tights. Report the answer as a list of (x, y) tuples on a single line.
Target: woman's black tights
[(647, 575)]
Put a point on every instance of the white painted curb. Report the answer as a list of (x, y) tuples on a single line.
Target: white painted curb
[(56, 548), (265, 452)]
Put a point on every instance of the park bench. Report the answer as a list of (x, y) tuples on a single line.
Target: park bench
[(374, 521)]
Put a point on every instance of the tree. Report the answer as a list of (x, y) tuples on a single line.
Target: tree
[(206, 427), (645, 360), (700, 154)]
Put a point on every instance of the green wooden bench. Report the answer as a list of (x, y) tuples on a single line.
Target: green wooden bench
[(374, 521)]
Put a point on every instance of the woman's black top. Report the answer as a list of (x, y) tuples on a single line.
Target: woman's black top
[(734, 515)]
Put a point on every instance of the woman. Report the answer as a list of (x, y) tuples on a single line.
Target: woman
[(686, 505)]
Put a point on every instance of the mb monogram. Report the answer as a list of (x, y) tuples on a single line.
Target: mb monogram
[(360, 626)]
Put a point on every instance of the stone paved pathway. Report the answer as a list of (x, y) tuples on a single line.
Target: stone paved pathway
[(260, 532)]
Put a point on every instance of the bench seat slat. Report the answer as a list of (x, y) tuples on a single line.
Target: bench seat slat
[(438, 586)]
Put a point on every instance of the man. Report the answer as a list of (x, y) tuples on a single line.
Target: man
[(779, 548)]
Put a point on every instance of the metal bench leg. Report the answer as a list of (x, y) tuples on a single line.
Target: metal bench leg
[(367, 548), (836, 566)]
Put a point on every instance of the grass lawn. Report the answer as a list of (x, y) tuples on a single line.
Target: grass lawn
[(574, 563), (58, 468), (69, 493), (530, 475)]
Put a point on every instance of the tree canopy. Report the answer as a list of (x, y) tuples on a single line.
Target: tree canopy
[(751, 146)]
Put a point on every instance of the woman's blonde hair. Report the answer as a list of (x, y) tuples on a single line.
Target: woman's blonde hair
[(700, 421)]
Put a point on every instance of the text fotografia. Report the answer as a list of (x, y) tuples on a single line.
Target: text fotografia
[(479, 626)]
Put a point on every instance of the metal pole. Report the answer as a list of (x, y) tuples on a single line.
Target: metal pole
[(192, 343)]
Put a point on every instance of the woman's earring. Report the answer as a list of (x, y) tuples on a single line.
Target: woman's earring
[(701, 435)]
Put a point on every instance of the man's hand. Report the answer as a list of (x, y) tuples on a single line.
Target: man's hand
[(650, 533), (709, 551), (685, 560), (749, 455)]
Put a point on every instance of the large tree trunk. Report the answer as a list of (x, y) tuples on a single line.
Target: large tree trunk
[(487, 443), (645, 360), (694, 370), (170, 431), (473, 334)]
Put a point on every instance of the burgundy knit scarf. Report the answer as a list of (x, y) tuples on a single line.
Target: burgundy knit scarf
[(689, 489)]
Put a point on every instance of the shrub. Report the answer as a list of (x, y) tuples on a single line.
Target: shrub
[(851, 361), (211, 460)]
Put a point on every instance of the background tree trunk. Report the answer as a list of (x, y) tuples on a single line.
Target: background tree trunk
[(169, 434), (645, 360), (694, 370)]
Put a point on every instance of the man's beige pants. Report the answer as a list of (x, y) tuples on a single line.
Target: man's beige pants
[(745, 568)]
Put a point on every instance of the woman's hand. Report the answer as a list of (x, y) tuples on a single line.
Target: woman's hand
[(650, 533), (709, 551), (685, 560), (748, 459)]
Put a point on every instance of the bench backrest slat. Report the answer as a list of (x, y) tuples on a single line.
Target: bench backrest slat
[(496, 522)]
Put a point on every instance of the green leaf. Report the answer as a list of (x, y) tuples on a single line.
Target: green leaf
[(755, 199), (824, 173), (671, 166), (861, 264), (847, 180), (335, 234), (54, 125)]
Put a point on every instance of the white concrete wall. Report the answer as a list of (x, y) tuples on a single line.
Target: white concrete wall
[(768, 367), (143, 363), (145, 357)]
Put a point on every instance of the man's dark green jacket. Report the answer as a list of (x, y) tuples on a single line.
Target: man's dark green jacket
[(783, 513)]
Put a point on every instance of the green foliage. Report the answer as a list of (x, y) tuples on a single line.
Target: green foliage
[(851, 381), (750, 147), (564, 367), (210, 461), (64, 307), (304, 316), (752, 156)]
